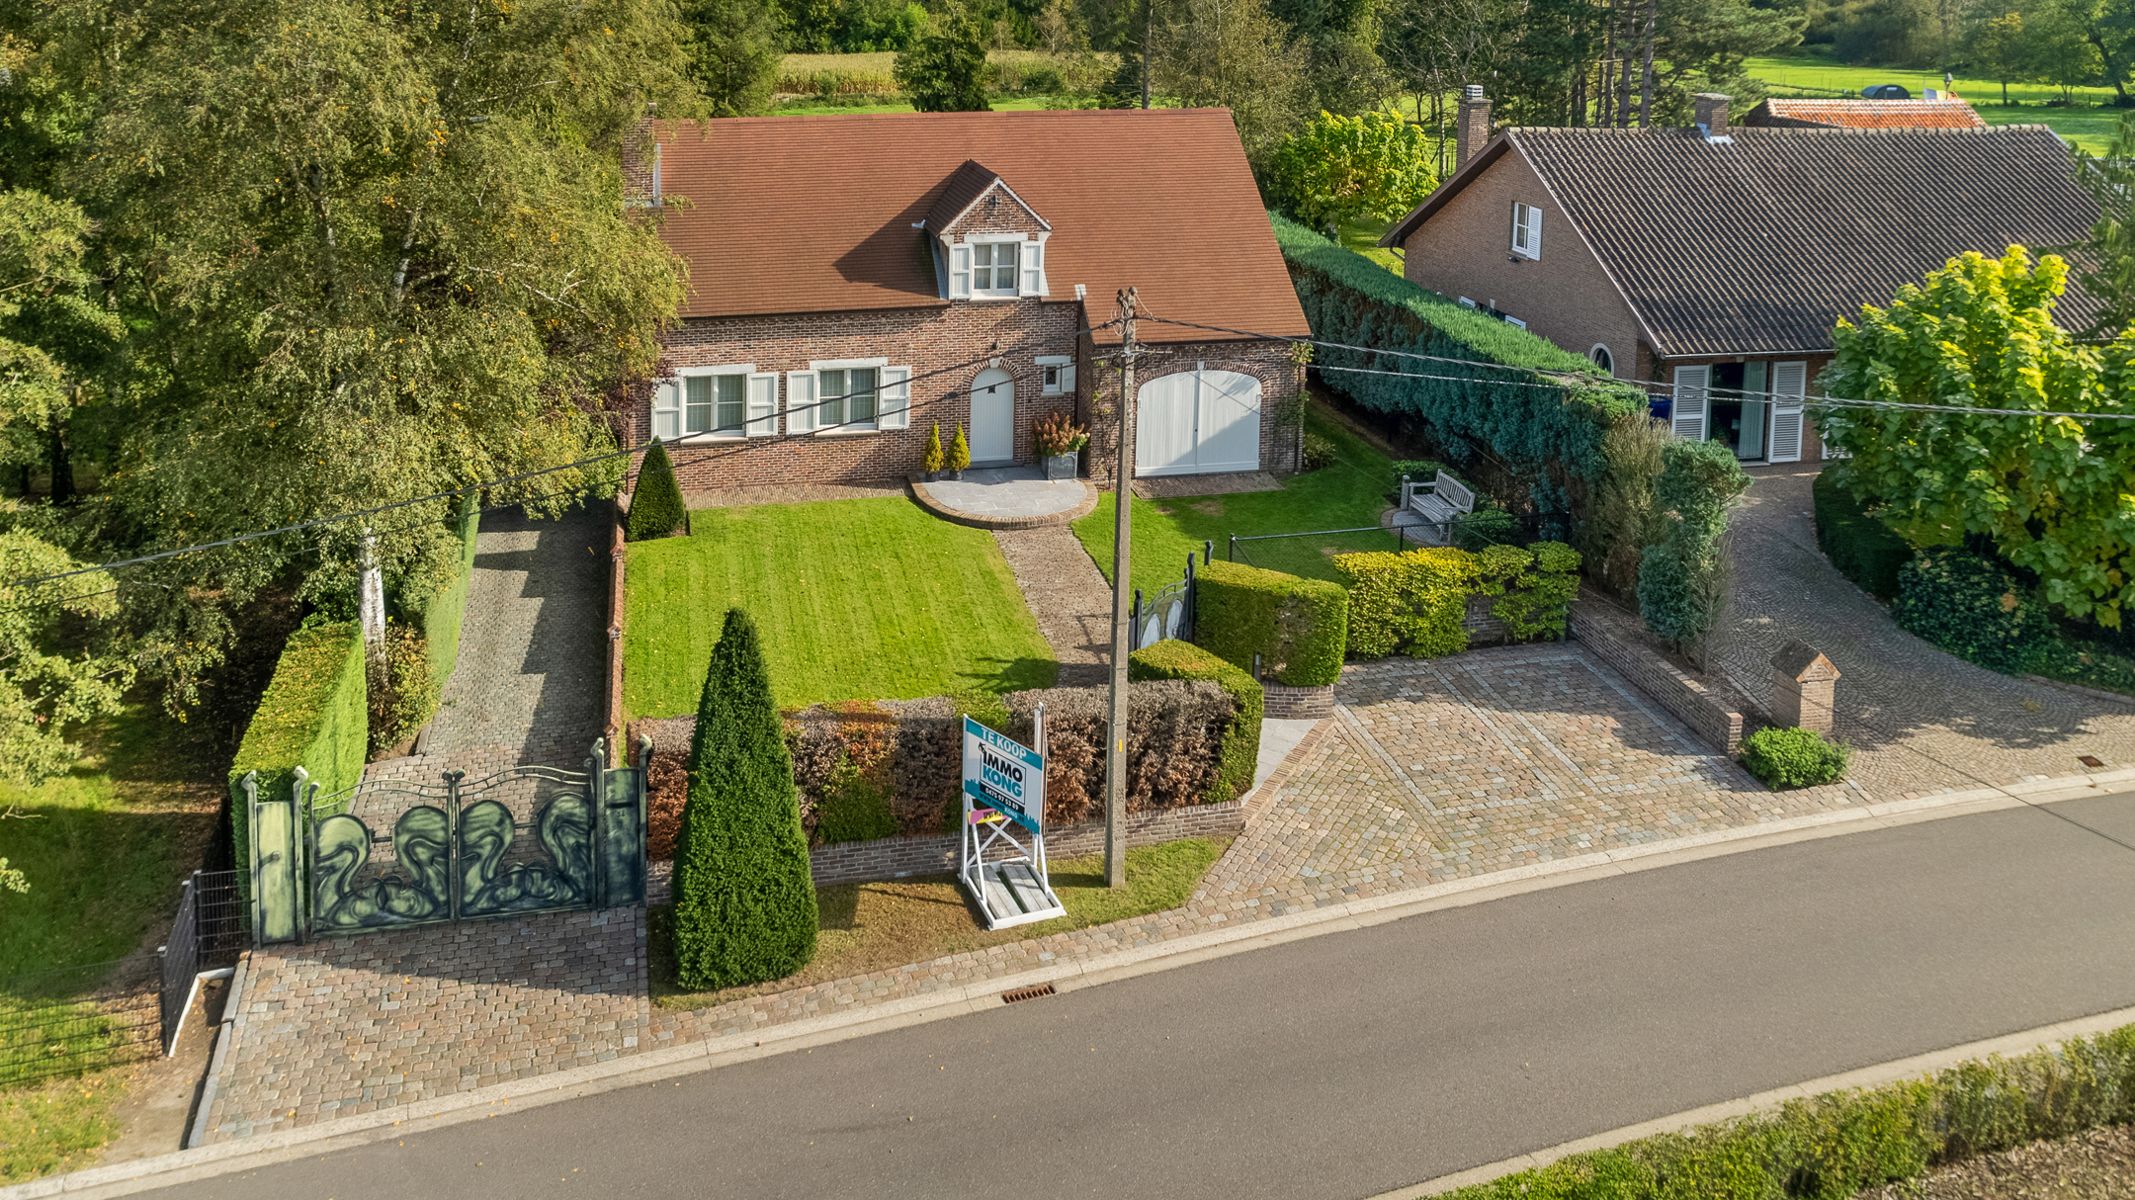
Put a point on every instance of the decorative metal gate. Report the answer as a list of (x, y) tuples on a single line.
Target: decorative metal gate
[(1169, 611), (392, 853)]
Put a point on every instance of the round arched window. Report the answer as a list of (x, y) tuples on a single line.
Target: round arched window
[(1602, 358)]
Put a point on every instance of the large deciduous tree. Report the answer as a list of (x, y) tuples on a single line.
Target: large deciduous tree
[(1231, 54), (1372, 166), (2055, 495), (374, 252), (944, 69)]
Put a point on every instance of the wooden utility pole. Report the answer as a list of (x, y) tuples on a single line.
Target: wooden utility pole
[(1122, 590)]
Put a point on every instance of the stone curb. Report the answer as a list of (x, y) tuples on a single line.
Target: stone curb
[(225, 1038), (1917, 1066), (650, 1066), (927, 500)]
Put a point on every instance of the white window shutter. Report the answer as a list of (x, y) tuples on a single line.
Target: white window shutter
[(1067, 378), (1033, 261), (895, 409), (763, 404), (800, 401), (667, 409), (1790, 386), (1534, 231), (1692, 386), (960, 271)]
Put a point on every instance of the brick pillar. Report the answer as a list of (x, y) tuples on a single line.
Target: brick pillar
[(1471, 126), (1804, 687)]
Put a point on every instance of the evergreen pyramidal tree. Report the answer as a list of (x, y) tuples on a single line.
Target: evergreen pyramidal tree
[(745, 908), (656, 506)]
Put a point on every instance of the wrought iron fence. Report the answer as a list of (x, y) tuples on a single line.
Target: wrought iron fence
[(70, 1020)]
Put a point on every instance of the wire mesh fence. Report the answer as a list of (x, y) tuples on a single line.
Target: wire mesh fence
[(74, 1019)]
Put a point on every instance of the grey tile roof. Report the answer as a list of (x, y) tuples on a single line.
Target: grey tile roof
[(1760, 243)]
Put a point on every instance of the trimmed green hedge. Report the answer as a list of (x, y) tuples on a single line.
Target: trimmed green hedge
[(1863, 548), (1298, 627), (1973, 607), (1415, 602), (1833, 1146), (314, 714), (447, 610), (1551, 438), (1174, 659)]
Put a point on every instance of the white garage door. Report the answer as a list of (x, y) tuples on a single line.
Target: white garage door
[(1195, 422)]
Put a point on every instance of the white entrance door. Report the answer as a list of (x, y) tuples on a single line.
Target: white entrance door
[(993, 417), (1197, 422)]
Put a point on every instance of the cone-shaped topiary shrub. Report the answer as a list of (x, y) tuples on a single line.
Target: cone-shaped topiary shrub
[(959, 451), (932, 460), (744, 900), (656, 508)]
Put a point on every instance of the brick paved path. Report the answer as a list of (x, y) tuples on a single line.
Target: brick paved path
[(1429, 771), (1922, 721), (527, 688), (1068, 595)]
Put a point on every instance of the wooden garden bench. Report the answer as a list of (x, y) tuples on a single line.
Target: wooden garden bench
[(1441, 502)]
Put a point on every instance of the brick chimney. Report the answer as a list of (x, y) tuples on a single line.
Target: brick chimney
[(1711, 108), (1471, 129)]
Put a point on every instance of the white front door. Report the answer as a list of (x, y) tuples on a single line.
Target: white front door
[(993, 417), (1196, 422)]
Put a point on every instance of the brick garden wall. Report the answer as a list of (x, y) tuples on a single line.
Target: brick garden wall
[(1712, 711)]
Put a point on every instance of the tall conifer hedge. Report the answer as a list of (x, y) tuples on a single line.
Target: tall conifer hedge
[(745, 905)]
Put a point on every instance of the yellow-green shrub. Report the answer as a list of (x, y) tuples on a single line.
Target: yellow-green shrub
[(1409, 602)]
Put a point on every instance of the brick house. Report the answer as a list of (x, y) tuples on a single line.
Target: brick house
[(853, 280), (1712, 262), (1930, 112)]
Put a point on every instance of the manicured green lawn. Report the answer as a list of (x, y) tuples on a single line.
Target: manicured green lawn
[(104, 847), (1348, 494), (856, 599), (2086, 122), (1363, 237), (870, 926)]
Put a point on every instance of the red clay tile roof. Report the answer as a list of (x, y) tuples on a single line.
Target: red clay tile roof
[(817, 214), (1867, 114)]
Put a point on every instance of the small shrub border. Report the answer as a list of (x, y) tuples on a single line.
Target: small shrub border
[(1863, 548), (1298, 627), (1793, 757), (1415, 602), (314, 714), (1239, 754), (1833, 1146)]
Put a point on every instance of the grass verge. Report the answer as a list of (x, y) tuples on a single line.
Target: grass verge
[(873, 926), (856, 599), (1349, 493), (56, 1125)]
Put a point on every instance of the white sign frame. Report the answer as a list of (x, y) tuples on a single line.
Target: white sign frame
[(1003, 791)]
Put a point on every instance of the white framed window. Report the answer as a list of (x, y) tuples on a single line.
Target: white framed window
[(1464, 302), (858, 395), (1526, 230), (996, 267), (730, 401), (1602, 357), (1515, 322), (1056, 374)]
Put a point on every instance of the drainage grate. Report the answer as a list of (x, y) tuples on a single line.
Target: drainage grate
[(1028, 993), (2090, 760)]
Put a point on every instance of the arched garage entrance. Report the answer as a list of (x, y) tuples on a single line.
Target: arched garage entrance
[(1196, 422)]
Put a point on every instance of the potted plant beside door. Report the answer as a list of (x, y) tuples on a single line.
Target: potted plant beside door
[(1060, 442), (959, 454)]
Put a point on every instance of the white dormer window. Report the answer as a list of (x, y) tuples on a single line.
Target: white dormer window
[(994, 267), (1526, 230)]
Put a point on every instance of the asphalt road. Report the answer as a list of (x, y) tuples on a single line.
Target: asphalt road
[(1352, 1063)]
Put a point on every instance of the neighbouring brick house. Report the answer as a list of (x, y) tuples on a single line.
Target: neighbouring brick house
[(1931, 112), (853, 280), (1712, 263)]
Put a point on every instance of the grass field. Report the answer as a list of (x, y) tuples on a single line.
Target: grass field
[(856, 599), (1347, 494), (871, 926), (2089, 122), (104, 848)]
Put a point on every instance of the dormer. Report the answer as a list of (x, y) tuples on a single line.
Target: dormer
[(987, 243)]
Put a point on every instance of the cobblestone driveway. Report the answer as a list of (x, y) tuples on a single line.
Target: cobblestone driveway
[(1429, 771), (1921, 720)]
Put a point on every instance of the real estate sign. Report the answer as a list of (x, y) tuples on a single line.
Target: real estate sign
[(1004, 775)]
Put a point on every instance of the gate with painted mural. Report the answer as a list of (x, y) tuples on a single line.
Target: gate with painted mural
[(394, 853)]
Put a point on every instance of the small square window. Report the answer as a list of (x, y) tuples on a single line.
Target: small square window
[(848, 398)]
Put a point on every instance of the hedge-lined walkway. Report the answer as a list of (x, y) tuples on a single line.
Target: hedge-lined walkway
[(1921, 720), (527, 688)]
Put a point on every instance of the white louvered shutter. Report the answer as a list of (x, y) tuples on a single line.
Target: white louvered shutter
[(960, 271), (1692, 386), (667, 409), (1790, 386), (895, 409), (763, 404), (1033, 261), (800, 401)]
